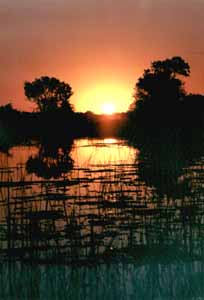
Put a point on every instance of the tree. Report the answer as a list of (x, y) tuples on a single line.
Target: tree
[(49, 93), (7, 108), (159, 97), (161, 82)]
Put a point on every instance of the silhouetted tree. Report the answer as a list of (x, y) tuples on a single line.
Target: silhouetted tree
[(49, 93), (193, 108), (160, 82), (159, 96), (7, 108)]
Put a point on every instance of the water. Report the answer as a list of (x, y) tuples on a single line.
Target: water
[(100, 219)]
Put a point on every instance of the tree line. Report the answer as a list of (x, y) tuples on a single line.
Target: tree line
[(54, 116), (160, 101)]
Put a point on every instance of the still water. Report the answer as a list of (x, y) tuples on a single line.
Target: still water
[(100, 219)]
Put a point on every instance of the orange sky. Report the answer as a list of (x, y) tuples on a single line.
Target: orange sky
[(98, 47)]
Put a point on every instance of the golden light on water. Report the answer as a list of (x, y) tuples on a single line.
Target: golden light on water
[(110, 141), (98, 152)]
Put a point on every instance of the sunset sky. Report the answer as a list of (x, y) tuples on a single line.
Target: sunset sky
[(100, 47)]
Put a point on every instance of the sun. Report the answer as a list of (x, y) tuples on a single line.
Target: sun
[(108, 108), (104, 97)]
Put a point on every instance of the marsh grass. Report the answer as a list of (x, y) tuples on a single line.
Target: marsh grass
[(104, 220), (88, 217)]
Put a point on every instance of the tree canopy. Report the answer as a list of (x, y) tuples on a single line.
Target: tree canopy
[(49, 93), (161, 82)]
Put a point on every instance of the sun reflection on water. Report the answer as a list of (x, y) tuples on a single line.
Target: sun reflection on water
[(110, 141), (102, 152)]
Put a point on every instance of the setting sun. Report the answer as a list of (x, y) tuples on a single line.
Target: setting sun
[(108, 108), (102, 98)]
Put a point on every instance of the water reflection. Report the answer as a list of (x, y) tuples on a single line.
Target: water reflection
[(165, 165), (140, 207), (52, 160), (93, 152)]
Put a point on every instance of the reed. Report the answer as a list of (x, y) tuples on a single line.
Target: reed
[(97, 216)]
